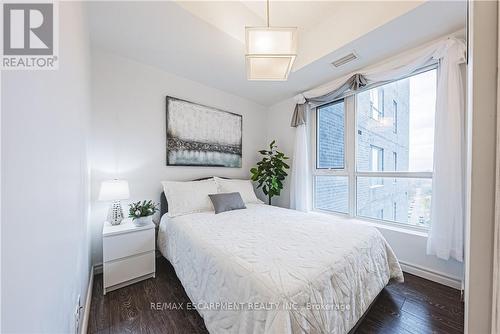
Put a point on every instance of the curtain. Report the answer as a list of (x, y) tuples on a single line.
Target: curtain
[(395, 68), (448, 186), (448, 195), (300, 186)]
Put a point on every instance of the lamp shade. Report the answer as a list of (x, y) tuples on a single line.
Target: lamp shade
[(114, 190), (270, 52)]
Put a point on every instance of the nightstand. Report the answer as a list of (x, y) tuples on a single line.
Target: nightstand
[(128, 254)]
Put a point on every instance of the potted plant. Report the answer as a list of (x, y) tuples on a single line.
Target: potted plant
[(142, 212), (270, 171)]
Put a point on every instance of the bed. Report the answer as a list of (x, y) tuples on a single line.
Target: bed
[(266, 269)]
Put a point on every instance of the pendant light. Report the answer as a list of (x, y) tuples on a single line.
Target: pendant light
[(270, 51)]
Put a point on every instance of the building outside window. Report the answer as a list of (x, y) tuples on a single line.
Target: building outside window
[(358, 187)]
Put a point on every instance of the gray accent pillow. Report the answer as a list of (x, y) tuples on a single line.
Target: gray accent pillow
[(227, 202)]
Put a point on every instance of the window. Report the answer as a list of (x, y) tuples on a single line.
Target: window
[(377, 103), (377, 159), (353, 173), (376, 164), (395, 166), (330, 135), (395, 116), (332, 193), (394, 211)]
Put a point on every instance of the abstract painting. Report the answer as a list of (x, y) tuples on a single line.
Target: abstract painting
[(198, 135)]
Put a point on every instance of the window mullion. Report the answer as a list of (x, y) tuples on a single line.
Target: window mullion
[(350, 155), (412, 175)]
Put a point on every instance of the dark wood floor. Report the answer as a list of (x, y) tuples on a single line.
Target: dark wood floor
[(417, 306)]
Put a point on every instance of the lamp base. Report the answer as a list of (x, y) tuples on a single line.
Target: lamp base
[(115, 213)]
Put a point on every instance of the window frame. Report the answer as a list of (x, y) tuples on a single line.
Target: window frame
[(348, 146), (350, 163)]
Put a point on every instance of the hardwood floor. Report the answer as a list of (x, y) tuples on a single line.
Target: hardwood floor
[(417, 306)]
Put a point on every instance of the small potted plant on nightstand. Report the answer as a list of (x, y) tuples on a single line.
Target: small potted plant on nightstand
[(142, 212)]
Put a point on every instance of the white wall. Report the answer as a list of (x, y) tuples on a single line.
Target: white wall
[(278, 119), (482, 109), (128, 130), (409, 247), (45, 260)]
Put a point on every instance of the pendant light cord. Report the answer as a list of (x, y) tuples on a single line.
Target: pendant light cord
[(267, 12)]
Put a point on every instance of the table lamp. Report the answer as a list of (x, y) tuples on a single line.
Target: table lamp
[(114, 190)]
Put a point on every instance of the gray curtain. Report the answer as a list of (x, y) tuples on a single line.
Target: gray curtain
[(354, 83)]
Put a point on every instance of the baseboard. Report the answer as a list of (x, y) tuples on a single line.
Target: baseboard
[(98, 269), (88, 300), (432, 275)]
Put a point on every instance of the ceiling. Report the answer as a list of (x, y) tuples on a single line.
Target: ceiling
[(301, 14), (232, 16), (204, 41)]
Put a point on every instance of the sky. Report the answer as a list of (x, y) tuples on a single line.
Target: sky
[(422, 110)]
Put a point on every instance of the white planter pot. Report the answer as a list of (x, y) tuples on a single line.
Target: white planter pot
[(143, 221)]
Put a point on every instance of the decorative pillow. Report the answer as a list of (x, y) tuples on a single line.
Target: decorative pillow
[(188, 197), (244, 187), (227, 202)]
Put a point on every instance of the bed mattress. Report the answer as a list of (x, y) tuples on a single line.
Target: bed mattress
[(272, 270)]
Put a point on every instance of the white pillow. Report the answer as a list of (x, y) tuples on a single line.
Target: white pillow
[(244, 187), (189, 197)]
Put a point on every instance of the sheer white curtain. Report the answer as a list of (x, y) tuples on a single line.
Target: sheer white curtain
[(446, 237), (300, 186), (448, 196)]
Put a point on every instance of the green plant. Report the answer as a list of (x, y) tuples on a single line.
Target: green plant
[(142, 209), (270, 171)]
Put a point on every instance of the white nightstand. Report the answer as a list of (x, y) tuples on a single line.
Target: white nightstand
[(128, 254)]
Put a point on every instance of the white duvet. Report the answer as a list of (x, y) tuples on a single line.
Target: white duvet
[(271, 270)]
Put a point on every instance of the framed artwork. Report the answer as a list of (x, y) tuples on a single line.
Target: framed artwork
[(198, 135)]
